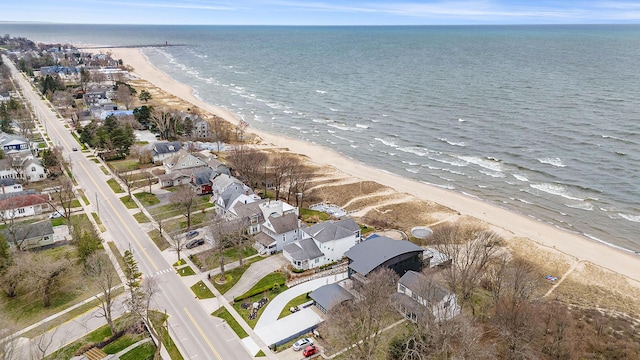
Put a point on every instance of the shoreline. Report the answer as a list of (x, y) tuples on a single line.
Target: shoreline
[(579, 247)]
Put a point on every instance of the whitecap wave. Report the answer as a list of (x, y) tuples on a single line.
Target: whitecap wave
[(387, 142), (413, 150), (634, 218), (555, 189), (452, 143), (490, 164), (456, 162), (411, 170), (321, 91), (362, 126), (520, 177), (409, 163), (555, 161), (581, 206)]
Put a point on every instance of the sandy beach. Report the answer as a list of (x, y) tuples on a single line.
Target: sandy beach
[(514, 225)]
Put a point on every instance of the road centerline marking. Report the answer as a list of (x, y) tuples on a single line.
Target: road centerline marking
[(215, 352)]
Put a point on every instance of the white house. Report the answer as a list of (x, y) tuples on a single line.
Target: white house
[(182, 160), (13, 143), (323, 244), (417, 292), (280, 227), (33, 170), (8, 186), (24, 205), (161, 150)]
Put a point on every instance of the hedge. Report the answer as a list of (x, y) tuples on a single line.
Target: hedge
[(258, 291)]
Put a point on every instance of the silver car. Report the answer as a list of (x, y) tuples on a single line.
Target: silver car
[(302, 343)]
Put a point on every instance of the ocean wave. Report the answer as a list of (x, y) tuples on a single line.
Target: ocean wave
[(592, 237), (386, 142), (555, 189), (444, 186), (495, 174), (581, 206), (457, 163), (461, 144), (413, 150), (362, 126), (334, 110), (634, 218), (462, 120), (409, 163), (412, 170), (555, 161), (342, 127), (321, 91), (488, 163), (520, 177)]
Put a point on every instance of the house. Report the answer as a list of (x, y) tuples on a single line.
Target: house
[(13, 143), (161, 150), (5, 97), (330, 238), (417, 293), (22, 165), (281, 226), (9, 186), (29, 236), (200, 128), (33, 170), (22, 205), (328, 296), (201, 181), (182, 160), (234, 194), (175, 178), (380, 251)]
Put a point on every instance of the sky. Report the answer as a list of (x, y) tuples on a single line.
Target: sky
[(317, 12)]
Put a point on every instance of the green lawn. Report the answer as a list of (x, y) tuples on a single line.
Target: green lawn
[(186, 271), (202, 291), (296, 301), (75, 203), (113, 184), (84, 197), (147, 199), (160, 241), (234, 275), (141, 217), (116, 252), (128, 202), (104, 170), (99, 222), (95, 160), (123, 165), (226, 316), (158, 319), (245, 312), (208, 259), (270, 279), (142, 352), (307, 215), (58, 221), (123, 342)]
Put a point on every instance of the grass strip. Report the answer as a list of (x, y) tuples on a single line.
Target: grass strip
[(104, 170), (158, 319), (160, 241), (113, 184), (186, 271), (99, 222), (202, 291), (117, 253), (225, 315), (84, 197), (141, 217), (142, 352), (147, 199), (128, 202)]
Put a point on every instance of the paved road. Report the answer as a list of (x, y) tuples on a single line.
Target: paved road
[(197, 334)]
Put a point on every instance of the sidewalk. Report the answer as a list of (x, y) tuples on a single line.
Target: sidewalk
[(254, 273)]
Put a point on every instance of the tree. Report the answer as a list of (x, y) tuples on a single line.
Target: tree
[(358, 324), (148, 177), (185, 198), (6, 257), (85, 78), (281, 164), (241, 127), (62, 198), (53, 161), (141, 309), (87, 242), (132, 275), (470, 249), (145, 95), (102, 273), (219, 128), (123, 95), (250, 163), (220, 232), (166, 123), (298, 176), (127, 178), (143, 115), (46, 275)]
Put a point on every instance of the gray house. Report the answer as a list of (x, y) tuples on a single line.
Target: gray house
[(328, 296), (161, 150), (380, 251), (30, 236)]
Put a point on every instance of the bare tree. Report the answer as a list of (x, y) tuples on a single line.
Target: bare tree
[(101, 271), (15, 274), (46, 275), (470, 249), (358, 324), (241, 127), (148, 178), (141, 308), (250, 163), (166, 123), (186, 199), (123, 94), (127, 178), (298, 176), (62, 198), (219, 128), (179, 244), (281, 164), (222, 232), (10, 211)]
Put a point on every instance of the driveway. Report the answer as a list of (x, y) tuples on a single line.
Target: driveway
[(254, 273), (272, 330)]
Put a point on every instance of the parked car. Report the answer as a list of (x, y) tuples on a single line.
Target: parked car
[(56, 214), (310, 350), (74, 148), (194, 243), (191, 234), (302, 343)]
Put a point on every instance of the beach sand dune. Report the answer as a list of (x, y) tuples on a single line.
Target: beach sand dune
[(566, 247)]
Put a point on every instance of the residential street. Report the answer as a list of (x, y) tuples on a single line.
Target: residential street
[(197, 334)]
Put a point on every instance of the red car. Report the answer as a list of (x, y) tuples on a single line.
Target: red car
[(310, 350)]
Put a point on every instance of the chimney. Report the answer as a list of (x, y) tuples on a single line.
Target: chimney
[(246, 192)]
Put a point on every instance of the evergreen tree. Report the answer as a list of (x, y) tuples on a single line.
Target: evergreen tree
[(132, 274)]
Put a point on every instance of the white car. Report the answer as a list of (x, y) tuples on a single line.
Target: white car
[(56, 214), (302, 343)]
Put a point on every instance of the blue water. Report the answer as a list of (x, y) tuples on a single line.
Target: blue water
[(543, 120)]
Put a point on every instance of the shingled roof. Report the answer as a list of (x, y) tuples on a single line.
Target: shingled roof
[(333, 230), (285, 223), (303, 250)]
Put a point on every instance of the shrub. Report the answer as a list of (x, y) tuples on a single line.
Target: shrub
[(257, 291)]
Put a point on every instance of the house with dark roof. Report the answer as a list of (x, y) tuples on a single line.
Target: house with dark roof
[(328, 296), (330, 238), (201, 181), (381, 251), (175, 178), (281, 226), (30, 236), (420, 296), (161, 150), (13, 143), (182, 160), (8, 186)]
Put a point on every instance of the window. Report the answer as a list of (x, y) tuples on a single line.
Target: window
[(33, 168), (402, 288), (21, 211), (317, 260), (414, 296)]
